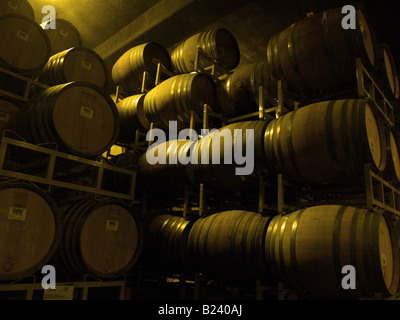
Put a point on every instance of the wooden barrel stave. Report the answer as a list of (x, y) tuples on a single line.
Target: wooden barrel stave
[(165, 242), (326, 143), (218, 44), (128, 71), (132, 117), (316, 57), (176, 97), (222, 177), (307, 249), (229, 244), (75, 64)]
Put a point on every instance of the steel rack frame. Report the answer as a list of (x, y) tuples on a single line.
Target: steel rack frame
[(26, 85), (368, 88), (50, 180), (83, 286)]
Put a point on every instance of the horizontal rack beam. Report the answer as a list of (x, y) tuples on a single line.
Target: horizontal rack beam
[(49, 179)]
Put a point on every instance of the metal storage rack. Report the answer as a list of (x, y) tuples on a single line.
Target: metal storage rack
[(50, 180)]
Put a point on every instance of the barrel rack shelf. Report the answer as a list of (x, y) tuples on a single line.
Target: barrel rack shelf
[(16, 171), (77, 290), (18, 86)]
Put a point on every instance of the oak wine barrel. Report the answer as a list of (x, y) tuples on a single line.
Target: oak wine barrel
[(217, 44), (176, 97), (392, 169), (326, 142), (30, 230), (167, 177), (128, 71), (24, 46), (75, 64), (78, 116), (101, 238), (165, 242), (63, 37), (307, 250), (239, 94), (316, 57), (132, 117), (229, 245), (386, 72), (215, 162), (128, 160), (22, 7)]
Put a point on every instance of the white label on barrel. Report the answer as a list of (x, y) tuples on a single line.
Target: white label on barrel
[(63, 32), (17, 213), (22, 35), (13, 5), (4, 117), (86, 64), (112, 225), (86, 112)]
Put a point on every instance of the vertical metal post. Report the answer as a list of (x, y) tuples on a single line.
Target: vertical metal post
[(205, 117), (368, 186), (186, 203), (158, 74), (281, 196), (151, 134), (360, 78), (201, 201), (261, 103), (280, 100), (261, 194), (196, 59), (191, 124), (116, 95), (3, 148)]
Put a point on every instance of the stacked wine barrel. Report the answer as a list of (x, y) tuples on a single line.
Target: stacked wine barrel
[(24, 50), (79, 236), (322, 143)]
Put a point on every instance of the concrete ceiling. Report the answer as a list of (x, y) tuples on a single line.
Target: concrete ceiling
[(110, 27)]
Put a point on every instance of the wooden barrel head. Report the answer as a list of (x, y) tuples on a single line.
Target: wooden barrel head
[(394, 156), (367, 36), (24, 46), (29, 231), (153, 53), (110, 240), (227, 49), (389, 70), (63, 37), (84, 119), (386, 252), (22, 7)]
